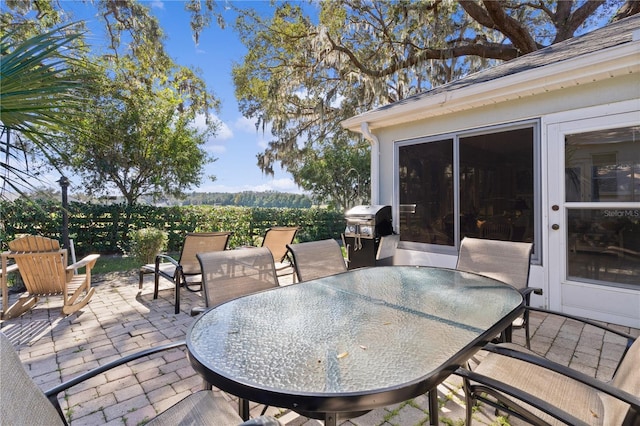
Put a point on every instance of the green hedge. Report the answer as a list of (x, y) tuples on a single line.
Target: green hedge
[(104, 228)]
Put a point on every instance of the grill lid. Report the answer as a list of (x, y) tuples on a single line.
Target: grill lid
[(366, 212)]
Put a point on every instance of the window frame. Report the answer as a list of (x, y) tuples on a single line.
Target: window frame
[(455, 136)]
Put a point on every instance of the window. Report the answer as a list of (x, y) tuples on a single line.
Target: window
[(479, 184), (602, 192)]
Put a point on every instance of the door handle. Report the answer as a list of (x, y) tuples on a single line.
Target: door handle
[(555, 226)]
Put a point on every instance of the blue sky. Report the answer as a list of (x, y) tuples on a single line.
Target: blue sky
[(238, 142)]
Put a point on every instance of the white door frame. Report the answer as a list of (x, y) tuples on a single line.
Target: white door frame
[(611, 304)]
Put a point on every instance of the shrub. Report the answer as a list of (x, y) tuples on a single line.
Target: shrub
[(146, 243)]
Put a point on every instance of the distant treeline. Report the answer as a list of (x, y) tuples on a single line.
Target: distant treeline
[(249, 199)]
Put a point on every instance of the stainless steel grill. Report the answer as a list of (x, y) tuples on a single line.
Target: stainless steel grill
[(365, 231)]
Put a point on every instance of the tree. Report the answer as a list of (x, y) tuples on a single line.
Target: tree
[(43, 80), (337, 173), (136, 141), (137, 133), (303, 76)]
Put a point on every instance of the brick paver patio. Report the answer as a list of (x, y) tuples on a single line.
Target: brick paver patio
[(121, 320)]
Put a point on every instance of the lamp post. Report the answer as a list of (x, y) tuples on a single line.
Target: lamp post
[(64, 185)]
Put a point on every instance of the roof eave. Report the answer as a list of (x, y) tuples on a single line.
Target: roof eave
[(589, 68)]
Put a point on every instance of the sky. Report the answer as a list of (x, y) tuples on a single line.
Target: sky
[(237, 142)]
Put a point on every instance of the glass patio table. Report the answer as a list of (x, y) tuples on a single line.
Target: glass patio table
[(337, 347)]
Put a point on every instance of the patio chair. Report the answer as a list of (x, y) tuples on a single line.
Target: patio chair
[(24, 403), (44, 269), (521, 383), (505, 261), (316, 259), (186, 270), (276, 240), (234, 273)]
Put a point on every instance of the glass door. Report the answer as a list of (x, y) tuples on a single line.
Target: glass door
[(602, 196), (594, 225)]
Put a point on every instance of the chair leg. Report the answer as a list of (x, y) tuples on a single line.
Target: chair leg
[(156, 285), (177, 281), (527, 333)]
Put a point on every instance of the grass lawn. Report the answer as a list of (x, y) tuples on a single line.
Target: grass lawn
[(115, 263), (108, 263)]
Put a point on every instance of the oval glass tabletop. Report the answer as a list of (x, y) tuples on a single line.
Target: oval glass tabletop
[(363, 332)]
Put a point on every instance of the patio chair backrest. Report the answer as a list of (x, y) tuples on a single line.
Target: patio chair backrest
[(21, 400), (233, 273), (626, 378), (200, 242), (317, 259), (42, 263), (276, 240), (506, 261)]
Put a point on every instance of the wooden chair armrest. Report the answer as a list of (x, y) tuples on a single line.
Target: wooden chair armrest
[(10, 269), (88, 261)]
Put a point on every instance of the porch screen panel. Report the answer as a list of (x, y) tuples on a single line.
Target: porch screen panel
[(426, 192), (497, 185)]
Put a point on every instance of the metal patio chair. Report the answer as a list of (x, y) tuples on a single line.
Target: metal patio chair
[(316, 259), (23, 403), (505, 261), (185, 271), (276, 240), (230, 274), (233, 273), (523, 384), (45, 271)]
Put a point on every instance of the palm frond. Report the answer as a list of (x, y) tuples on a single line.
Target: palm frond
[(43, 84)]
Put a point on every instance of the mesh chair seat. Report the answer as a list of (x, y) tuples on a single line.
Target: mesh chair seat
[(522, 383)]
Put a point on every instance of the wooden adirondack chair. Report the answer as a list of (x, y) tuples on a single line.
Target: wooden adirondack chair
[(43, 267)]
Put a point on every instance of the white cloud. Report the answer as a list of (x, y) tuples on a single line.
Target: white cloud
[(216, 149), (245, 124), (224, 132), (156, 4)]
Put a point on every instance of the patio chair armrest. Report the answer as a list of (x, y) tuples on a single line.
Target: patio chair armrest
[(164, 257), (601, 386), (108, 366), (526, 293), (629, 337), (495, 387), (52, 394), (88, 261)]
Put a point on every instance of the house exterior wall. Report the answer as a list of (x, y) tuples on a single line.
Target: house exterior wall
[(620, 90)]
